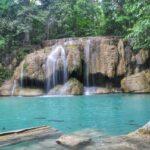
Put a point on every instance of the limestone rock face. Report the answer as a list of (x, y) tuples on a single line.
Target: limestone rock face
[(5, 89), (110, 56), (101, 59), (34, 65), (138, 83), (72, 87), (74, 57), (107, 55), (142, 56)]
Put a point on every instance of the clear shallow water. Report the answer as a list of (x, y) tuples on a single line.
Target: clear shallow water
[(113, 114)]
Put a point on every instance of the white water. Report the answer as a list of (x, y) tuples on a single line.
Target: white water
[(13, 88), (21, 78), (57, 56), (87, 61)]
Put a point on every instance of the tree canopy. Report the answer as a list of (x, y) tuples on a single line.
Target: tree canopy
[(24, 23)]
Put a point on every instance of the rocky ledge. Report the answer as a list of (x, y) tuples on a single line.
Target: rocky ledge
[(108, 63)]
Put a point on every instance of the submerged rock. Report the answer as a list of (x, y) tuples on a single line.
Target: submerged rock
[(137, 83), (72, 87), (143, 131), (73, 140), (28, 134), (80, 138), (87, 139)]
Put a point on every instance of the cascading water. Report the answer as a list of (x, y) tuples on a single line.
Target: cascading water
[(55, 61), (13, 88), (21, 78), (87, 61), (87, 66)]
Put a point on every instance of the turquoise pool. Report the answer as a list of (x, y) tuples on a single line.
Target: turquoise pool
[(113, 114)]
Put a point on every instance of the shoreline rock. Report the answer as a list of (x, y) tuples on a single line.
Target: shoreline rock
[(137, 83)]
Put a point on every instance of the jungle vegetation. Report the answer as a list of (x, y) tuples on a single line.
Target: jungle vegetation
[(24, 24)]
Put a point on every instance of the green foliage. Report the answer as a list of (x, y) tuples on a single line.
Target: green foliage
[(28, 22), (88, 23), (140, 26), (129, 19), (25, 66), (21, 53), (2, 42), (4, 74)]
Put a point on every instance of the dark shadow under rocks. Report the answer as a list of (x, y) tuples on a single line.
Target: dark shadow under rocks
[(32, 83), (101, 80)]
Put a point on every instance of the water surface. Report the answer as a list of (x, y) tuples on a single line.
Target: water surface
[(113, 114)]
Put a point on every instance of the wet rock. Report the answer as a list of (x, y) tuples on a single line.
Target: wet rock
[(103, 56), (137, 83), (72, 87), (110, 56), (121, 67), (34, 65), (28, 92), (5, 89), (100, 90), (80, 138), (143, 131), (28, 134), (73, 140), (74, 57)]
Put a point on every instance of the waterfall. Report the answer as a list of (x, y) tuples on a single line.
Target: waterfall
[(21, 78), (87, 67), (56, 58), (87, 62), (13, 88)]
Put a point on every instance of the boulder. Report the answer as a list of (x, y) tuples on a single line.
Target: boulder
[(73, 140), (72, 87), (137, 83)]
